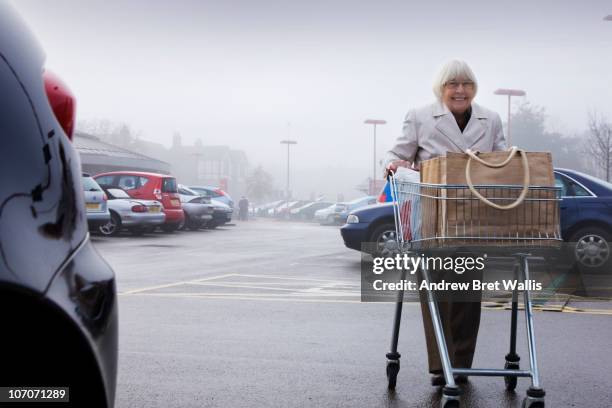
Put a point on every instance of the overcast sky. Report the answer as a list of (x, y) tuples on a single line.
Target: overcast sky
[(237, 72)]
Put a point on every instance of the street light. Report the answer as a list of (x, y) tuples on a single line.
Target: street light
[(510, 93), (288, 143), (374, 122)]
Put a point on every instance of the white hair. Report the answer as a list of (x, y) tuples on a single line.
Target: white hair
[(453, 69)]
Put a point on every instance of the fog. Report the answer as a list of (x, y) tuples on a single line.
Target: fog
[(237, 73)]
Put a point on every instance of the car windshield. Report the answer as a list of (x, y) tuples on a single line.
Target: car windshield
[(90, 184), (169, 185), (116, 193)]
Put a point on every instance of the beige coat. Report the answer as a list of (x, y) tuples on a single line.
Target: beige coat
[(432, 130)]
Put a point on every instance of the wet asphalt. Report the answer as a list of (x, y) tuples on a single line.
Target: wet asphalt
[(268, 314)]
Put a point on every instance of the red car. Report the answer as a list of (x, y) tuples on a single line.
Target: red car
[(149, 186)]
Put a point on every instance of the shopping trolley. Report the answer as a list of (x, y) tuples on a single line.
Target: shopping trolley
[(519, 219)]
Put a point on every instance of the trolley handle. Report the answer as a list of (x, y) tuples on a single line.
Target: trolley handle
[(526, 179), (399, 231)]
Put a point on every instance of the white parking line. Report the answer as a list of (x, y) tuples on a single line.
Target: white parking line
[(169, 285)]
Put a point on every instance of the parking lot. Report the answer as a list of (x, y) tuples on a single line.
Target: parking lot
[(268, 314)]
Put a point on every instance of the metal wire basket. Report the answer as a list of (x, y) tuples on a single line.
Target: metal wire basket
[(438, 216)]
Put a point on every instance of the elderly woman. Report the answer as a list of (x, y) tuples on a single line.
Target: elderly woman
[(452, 124)]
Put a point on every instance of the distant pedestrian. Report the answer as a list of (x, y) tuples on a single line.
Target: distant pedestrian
[(243, 209)]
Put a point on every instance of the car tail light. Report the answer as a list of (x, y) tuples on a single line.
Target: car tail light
[(157, 193), (104, 197), (221, 192), (139, 208), (62, 101)]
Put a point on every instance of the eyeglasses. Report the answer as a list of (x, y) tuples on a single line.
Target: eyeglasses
[(469, 85)]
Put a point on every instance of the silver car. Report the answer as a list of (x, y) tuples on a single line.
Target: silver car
[(137, 215), (326, 215), (198, 208), (214, 193), (222, 214), (95, 202)]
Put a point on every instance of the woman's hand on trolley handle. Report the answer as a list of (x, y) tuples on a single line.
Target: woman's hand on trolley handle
[(393, 165)]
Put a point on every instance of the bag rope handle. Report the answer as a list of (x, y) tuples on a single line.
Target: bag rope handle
[(513, 151)]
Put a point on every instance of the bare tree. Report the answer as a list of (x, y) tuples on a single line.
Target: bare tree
[(529, 131), (599, 143), (260, 184), (119, 134)]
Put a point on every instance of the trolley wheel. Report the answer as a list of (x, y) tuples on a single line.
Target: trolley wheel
[(449, 402), (393, 368), (528, 403), (511, 380)]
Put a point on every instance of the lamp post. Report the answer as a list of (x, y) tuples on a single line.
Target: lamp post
[(374, 122), (288, 143), (510, 93)]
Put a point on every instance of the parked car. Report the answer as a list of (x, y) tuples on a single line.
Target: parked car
[(215, 193), (586, 218), (273, 211), (222, 214), (138, 216), (342, 210), (372, 224), (149, 186), (198, 208), (58, 302), (262, 210), (325, 216), (586, 221), (285, 211), (306, 212), (95, 203)]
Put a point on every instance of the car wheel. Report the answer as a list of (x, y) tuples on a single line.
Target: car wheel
[(149, 229), (137, 231), (194, 226), (170, 227), (183, 225), (112, 227), (591, 247), (384, 240)]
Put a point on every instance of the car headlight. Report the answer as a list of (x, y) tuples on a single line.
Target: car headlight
[(352, 219)]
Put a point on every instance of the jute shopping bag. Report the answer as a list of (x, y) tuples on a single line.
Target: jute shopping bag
[(498, 198)]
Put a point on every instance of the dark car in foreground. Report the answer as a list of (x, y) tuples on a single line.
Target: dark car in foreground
[(586, 221), (58, 303)]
